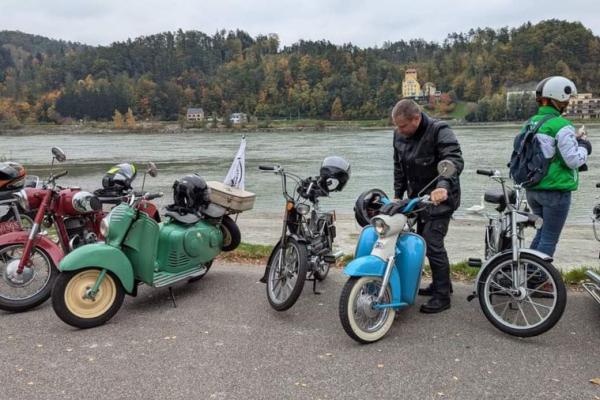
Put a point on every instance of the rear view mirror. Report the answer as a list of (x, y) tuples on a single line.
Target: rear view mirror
[(446, 168), (59, 154), (152, 170)]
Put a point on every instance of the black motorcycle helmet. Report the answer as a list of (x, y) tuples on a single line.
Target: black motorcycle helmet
[(368, 204), (334, 174), (119, 177), (190, 193)]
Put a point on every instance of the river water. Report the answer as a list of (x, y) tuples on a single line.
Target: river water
[(210, 154)]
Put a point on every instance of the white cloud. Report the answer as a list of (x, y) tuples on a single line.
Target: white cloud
[(360, 22)]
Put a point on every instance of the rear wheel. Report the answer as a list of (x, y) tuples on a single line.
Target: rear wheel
[(231, 234), (287, 273), (21, 292), (525, 302), (73, 304)]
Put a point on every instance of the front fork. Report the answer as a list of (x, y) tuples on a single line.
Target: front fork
[(93, 291), (29, 244), (386, 278), (519, 275)]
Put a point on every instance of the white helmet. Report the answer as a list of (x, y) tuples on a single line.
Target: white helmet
[(557, 88)]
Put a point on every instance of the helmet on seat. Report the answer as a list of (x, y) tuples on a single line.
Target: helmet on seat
[(334, 174), (190, 194)]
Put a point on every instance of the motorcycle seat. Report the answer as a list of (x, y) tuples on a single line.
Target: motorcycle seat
[(7, 194), (496, 196), (186, 219)]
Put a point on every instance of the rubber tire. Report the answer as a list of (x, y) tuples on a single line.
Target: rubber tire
[(61, 309), (302, 271), (561, 297), (231, 229), (347, 322), (41, 297), (321, 276)]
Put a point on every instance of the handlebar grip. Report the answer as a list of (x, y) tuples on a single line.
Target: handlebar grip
[(485, 172), (153, 196), (266, 167)]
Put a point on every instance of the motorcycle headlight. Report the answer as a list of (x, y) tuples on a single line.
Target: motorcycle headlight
[(21, 196), (104, 225), (302, 209), (380, 226)]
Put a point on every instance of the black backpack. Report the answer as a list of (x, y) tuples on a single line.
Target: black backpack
[(528, 165)]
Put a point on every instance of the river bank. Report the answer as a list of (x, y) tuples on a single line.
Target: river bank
[(577, 246)]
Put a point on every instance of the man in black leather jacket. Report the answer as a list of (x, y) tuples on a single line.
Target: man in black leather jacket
[(420, 142)]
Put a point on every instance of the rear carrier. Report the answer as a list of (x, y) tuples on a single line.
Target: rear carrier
[(235, 200)]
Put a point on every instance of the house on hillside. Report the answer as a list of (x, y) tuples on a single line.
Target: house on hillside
[(195, 114)]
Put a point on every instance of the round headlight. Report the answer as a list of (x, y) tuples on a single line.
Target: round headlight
[(104, 224), (302, 209), (21, 196), (380, 226)]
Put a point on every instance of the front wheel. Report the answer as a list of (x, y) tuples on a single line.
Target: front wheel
[(73, 304), (361, 321), (21, 292), (287, 273), (523, 302)]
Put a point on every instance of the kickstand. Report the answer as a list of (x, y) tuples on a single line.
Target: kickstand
[(172, 296), (315, 286)]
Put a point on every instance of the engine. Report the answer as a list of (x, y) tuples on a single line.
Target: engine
[(79, 232)]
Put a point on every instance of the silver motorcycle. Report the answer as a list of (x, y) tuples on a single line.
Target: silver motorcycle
[(593, 287), (520, 292)]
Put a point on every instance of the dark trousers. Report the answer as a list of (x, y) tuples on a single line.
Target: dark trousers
[(553, 207), (434, 231)]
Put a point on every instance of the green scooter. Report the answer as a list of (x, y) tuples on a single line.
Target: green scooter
[(138, 249)]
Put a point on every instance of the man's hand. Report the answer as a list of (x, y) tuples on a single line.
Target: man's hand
[(439, 195)]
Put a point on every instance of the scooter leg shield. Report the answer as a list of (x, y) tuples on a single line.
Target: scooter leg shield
[(102, 256), (410, 256)]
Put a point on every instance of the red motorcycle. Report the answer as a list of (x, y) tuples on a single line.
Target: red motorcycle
[(29, 259)]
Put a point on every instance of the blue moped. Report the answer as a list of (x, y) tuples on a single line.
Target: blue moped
[(385, 274)]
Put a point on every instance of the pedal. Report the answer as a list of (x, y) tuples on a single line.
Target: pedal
[(332, 258), (475, 262)]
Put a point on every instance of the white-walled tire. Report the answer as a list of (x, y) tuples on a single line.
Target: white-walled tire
[(360, 321)]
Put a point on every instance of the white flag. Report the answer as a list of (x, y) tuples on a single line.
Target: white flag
[(237, 172)]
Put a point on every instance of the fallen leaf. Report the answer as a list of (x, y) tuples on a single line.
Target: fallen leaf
[(93, 346), (555, 380), (456, 359), (303, 384), (39, 345), (30, 383), (69, 350), (595, 381), (20, 369), (173, 337), (455, 378), (379, 365)]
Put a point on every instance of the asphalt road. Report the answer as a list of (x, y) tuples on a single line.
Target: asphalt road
[(223, 341)]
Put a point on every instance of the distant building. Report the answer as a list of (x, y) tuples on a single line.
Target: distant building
[(430, 90), (584, 106), (410, 84), (239, 118), (195, 114)]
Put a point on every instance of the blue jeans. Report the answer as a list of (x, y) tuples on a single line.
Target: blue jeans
[(553, 207)]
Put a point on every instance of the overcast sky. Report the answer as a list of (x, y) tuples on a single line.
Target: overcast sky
[(364, 23)]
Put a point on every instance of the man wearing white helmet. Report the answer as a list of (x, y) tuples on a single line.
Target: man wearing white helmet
[(567, 152)]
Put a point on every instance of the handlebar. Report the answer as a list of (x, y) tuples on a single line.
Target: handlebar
[(485, 172), (60, 175), (269, 167)]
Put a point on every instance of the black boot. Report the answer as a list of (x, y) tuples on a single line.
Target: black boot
[(435, 305), (428, 291)]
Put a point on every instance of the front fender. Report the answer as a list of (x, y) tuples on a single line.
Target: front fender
[(103, 256), (375, 266), (20, 237), (536, 253)]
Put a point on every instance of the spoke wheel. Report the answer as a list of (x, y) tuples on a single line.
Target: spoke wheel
[(20, 292), (287, 273), (359, 319), (525, 302)]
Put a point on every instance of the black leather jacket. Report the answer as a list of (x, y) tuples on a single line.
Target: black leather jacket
[(416, 159)]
